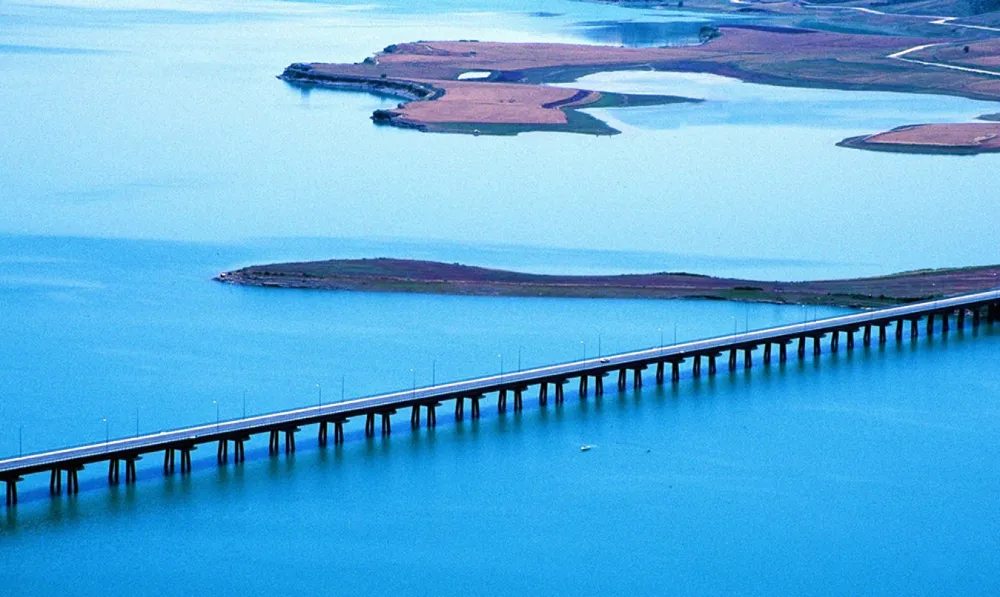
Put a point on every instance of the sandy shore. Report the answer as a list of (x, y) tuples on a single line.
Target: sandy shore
[(401, 275)]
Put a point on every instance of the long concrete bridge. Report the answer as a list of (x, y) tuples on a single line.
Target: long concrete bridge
[(941, 316)]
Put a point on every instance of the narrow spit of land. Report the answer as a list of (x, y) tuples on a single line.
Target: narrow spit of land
[(403, 275)]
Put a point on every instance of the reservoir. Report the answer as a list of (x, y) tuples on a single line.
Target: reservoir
[(153, 149)]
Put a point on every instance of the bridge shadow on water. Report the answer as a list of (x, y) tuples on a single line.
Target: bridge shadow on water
[(263, 472)]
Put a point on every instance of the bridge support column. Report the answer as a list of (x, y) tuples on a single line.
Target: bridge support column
[(338, 432), (659, 373), (543, 393), (802, 347), (432, 416), (946, 322), (475, 405), (747, 358), (782, 352), (55, 481), (850, 339), (621, 380), (696, 366), (835, 341), (881, 334), (767, 353), (866, 338), (711, 365), (222, 454), (518, 400), (415, 416), (130, 476), (168, 461), (675, 371), (502, 401), (914, 328), (185, 460), (975, 317), (899, 330), (290, 440), (239, 452), (961, 319), (583, 386), (386, 423), (817, 347), (113, 468), (560, 397), (636, 379), (11, 491), (599, 384), (324, 433), (273, 441), (370, 425), (460, 408), (732, 360), (930, 324)]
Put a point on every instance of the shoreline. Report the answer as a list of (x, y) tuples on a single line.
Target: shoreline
[(428, 277)]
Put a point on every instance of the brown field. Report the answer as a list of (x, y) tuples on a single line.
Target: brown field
[(958, 138)]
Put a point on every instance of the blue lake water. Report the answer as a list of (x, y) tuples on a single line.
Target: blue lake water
[(150, 148)]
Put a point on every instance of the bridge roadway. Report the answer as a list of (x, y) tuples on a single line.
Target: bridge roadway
[(70, 460)]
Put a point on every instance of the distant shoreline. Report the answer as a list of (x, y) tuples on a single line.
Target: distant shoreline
[(428, 277)]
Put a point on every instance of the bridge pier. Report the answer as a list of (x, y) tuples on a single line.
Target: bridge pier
[(636, 378), (168, 461), (748, 357), (272, 444), (930, 324), (502, 400), (767, 353), (560, 397), (324, 433), (783, 351), (899, 330), (866, 338), (543, 393), (882, 334), (659, 373), (370, 425), (946, 322), (460, 407), (386, 423), (338, 432), (675, 371), (961, 319), (113, 471), (290, 440), (583, 386), (621, 379), (802, 347), (732, 360), (696, 366), (599, 384), (817, 347), (415, 416), (12, 491), (222, 454), (834, 340), (975, 317), (72, 480), (914, 328), (475, 404), (130, 476), (518, 399), (239, 452), (850, 339), (432, 416), (711, 365)]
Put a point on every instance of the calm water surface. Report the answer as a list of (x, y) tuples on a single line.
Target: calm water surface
[(875, 472)]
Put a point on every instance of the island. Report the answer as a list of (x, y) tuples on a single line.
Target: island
[(499, 88), (405, 275)]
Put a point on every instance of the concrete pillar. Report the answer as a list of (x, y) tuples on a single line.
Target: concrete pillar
[(696, 366), (338, 432), (323, 433), (475, 405), (881, 334), (239, 453), (290, 437), (914, 328), (272, 445), (502, 401), (370, 425), (386, 423), (168, 461), (583, 385), (866, 339), (636, 379), (518, 400), (431, 416), (975, 317), (850, 339), (11, 492), (559, 392), (621, 379), (899, 330), (817, 348), (767, 353), (415, 416), (711, 365), (961, 318), (130, 475), (543, 393), (802, 347), (782, 352), (747, 357), (834, 340), (599, 384), (459, 409), (732, 359), (946, 322), (675, 371), (930, 324), (113, 470)]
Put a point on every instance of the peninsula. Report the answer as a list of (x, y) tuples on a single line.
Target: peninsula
[(402, 275), (500, 88)]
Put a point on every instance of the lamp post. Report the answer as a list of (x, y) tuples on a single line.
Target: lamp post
[(734, 325), (20, 440), (661, 338), (319, 398), (500, 356), (244, 404), (519, 357), (434, 364), (414, 390), (584, 344), (675, 332), (137, 421), (599, 353), (216, 403), (107, 433), (342, 378)]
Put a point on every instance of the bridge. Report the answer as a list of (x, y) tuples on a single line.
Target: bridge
[(936, 316)]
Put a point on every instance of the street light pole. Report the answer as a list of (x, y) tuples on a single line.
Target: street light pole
[(20, 440), (599, 353), (519, 357), (414, 391), (434, 365), (319, 400), (584, 343), (107, 433), (216, 403), (342, 378), (500, 356), (244, 404)]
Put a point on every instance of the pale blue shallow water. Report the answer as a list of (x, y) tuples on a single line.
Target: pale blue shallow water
[(875, 472)]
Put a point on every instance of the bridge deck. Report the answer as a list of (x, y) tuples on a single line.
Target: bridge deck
[(66, 458)]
